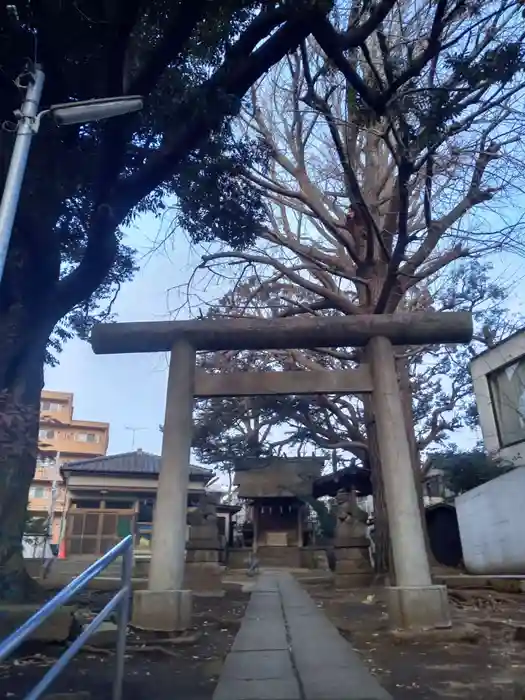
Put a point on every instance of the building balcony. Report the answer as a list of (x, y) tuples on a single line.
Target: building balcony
[(42, 505), (70, 446), (54, 417), (45, 472)]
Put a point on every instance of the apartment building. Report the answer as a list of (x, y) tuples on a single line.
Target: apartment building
[(61, 439)]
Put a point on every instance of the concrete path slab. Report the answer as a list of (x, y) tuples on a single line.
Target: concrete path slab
[(259, 665), (267, 634), (287, 649)]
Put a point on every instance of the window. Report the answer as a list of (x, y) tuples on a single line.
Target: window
[(50, 406), (507, 387), (45, 462), (86, 503), (38, 491), (87, 437), (145, 511), (119, 505), (45, 434)]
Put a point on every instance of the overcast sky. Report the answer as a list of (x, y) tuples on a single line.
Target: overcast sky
[(128, 391)]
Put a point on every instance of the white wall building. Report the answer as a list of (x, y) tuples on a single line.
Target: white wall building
[(499, 385), (491, 517), (491, 522)]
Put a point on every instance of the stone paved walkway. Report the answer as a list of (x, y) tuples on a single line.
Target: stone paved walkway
[(287, 649)]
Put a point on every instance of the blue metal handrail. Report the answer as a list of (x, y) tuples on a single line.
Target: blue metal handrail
[(120, 600)]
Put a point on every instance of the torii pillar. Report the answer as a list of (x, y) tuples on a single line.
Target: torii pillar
[(166, 605), (414, 602)]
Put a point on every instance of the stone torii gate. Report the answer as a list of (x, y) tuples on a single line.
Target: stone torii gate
[(414, 601)]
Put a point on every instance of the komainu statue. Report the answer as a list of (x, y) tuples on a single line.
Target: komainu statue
[(350, 519), (205, 512)]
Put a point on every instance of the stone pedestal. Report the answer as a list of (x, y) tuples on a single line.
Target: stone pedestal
[(204, 578), (196, 555), (418, 607), (352, 560), (203, 573), (352, 564), (162, 611), (203, 544)]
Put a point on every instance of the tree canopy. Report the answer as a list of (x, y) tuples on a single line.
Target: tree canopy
[(464, 471), (193, 62)]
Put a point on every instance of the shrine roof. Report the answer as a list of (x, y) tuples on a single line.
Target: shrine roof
[(136, 463), (253, 463), (347, 478), (274, 477)]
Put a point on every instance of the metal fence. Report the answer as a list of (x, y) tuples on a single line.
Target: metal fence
[(119, 601)]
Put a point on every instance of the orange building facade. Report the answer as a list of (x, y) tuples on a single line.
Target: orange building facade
[(61, 439)]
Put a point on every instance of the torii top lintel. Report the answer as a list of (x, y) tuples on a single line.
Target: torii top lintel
[(419, 328)]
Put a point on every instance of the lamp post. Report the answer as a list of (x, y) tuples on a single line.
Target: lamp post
[(28, 124)]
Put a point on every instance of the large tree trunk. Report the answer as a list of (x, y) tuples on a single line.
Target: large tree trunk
[(383, 560), (21, 381)]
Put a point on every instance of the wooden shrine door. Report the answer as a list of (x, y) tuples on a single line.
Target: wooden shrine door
[(95, 532)]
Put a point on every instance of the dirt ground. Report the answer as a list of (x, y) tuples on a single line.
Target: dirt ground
[(153, 670), (481, 658)]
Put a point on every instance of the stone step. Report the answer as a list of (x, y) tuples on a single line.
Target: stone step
[(279, 556), (74, 570), (56, 628)]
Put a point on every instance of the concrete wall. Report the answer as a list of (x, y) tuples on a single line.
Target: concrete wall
[(491, 521)]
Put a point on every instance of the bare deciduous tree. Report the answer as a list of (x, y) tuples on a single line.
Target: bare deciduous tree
[(387, 164)]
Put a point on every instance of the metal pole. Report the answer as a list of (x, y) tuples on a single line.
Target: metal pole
[(54, 494), (123, 619), (17, 165)]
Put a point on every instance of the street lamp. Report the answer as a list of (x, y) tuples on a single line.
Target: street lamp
[(93, 110), (28, 124)]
